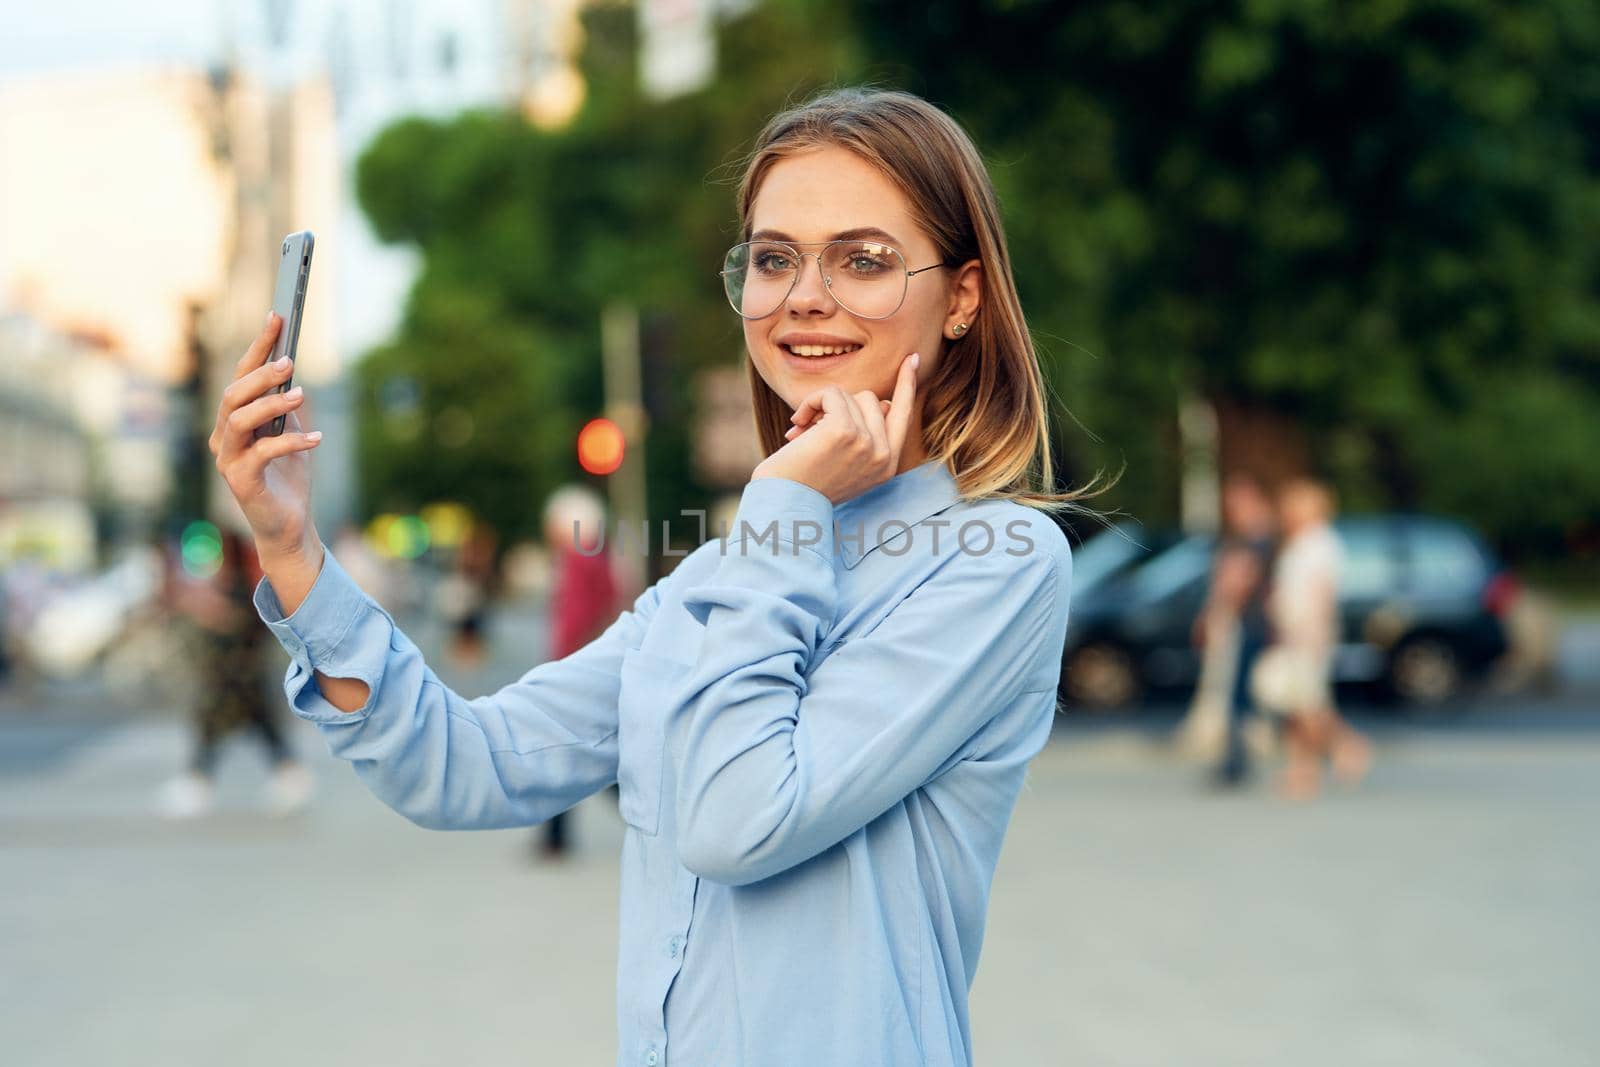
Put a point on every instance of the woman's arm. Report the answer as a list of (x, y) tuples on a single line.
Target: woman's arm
[(514, 757), (291, 579), (777, 761)]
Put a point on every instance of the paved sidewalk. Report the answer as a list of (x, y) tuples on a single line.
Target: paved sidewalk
[(1443, 915)]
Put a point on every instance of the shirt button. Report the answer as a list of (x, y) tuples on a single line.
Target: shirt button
[(651, 1058), (672, 948)]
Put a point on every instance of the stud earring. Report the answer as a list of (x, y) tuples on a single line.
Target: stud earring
[(959, 329)]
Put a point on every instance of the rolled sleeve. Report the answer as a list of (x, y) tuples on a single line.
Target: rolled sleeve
[(338, 629)]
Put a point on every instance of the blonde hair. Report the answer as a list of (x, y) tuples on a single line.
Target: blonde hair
[(984, 410)]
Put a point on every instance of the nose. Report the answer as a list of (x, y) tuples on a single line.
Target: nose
[(810, 292)]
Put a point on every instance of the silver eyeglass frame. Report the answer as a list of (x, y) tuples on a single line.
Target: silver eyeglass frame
[(795, 246)]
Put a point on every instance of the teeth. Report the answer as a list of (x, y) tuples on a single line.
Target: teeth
[(821, 350)]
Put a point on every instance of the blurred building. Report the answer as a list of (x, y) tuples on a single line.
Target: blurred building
[(84, 444), (726, 448), (130, 199), (145, 205)]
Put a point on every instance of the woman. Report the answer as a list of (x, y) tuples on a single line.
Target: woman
[(819, 724), (1303, 607)]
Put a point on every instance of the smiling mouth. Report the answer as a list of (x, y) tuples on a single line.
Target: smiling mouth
[(819, 351)]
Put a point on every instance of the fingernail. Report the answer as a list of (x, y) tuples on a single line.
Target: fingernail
[(296, 391), (269, 318), (916, 359), (314, 435), (281, 363)]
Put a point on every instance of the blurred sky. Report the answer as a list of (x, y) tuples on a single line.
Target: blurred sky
[(75, 33)]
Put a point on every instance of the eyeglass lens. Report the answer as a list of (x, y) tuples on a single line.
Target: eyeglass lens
[(866, 278)]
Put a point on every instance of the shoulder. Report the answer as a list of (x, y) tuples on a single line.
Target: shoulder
[(1325, 541), (1333, 545), (1012, 542), (1028, 531)]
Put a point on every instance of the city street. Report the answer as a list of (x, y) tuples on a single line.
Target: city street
[(1443, 914), (1284, 314)]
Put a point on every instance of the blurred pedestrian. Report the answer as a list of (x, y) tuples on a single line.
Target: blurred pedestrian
[(1294, 676), (28, 588), (464, 594), (1235, 609), (5, 640), (232, 695), (583, 598)]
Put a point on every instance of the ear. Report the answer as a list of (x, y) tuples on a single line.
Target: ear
[(966, 293)]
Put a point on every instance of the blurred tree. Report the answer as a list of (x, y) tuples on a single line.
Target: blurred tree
[(1362, 229), (527, 233), (1373, 219)]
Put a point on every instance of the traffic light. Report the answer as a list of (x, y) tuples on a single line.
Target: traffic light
[(600, 446)]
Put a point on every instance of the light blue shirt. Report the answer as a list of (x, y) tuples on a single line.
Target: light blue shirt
[(819, 725)]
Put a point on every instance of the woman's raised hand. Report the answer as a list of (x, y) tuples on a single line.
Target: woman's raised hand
[(270, 477), (843, 444)]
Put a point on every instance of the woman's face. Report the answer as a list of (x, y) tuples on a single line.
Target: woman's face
[(814, 196)]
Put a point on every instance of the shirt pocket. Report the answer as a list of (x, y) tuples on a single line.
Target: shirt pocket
[(648, 683)]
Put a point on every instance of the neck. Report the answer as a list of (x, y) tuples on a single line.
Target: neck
[(912, 454)]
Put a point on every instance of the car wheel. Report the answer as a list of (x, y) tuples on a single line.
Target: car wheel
[(1100, 676), (1425, 671)]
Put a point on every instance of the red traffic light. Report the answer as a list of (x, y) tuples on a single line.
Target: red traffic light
[(600, 446)]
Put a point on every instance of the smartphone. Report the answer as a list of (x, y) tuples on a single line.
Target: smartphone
[(289, 301)]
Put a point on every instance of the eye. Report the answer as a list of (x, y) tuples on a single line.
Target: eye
[(862, 262), (772, 262)]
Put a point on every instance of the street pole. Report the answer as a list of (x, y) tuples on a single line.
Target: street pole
[(619, 343), (1199, 505)]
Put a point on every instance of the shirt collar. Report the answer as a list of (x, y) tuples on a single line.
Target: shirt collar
[(887, 510)]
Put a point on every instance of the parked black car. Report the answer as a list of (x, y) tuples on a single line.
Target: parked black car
[(1110, 553), (1422, 603)]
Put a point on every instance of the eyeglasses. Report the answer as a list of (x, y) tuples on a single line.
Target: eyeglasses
[(866, 278)]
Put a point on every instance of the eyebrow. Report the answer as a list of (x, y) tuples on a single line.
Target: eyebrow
[(860, 233)]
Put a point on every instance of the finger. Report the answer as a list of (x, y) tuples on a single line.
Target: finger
[(870, 408), (239, 430), (898, 422), (795, 431), (244, 390), (256, 354), (252, 384), (849, 409), (808, 410), (253, 462), (811, 407)]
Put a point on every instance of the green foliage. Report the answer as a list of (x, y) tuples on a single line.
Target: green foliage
[(455, 409), (1376, 215), (527, 234)]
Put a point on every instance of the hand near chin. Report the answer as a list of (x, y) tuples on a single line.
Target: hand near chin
[(843, 444)]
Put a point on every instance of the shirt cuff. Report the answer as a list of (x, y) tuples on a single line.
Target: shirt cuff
[(776, 512), (337, 629)]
